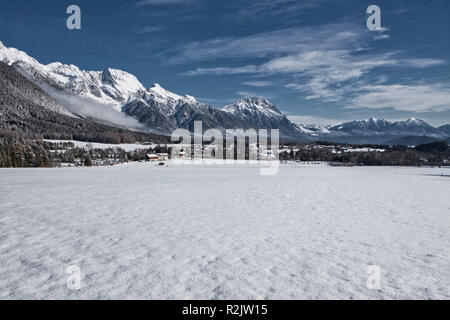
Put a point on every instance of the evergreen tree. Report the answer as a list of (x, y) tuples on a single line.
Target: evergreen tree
[(88, 161)]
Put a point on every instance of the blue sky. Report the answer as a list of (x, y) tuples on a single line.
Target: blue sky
[(315, 59)]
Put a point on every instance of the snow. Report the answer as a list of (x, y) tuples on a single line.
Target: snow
[(164, 96), (110, 87), (224, 232), (253, 107), (11, 55)]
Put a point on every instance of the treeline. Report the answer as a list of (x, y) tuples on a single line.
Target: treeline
[(434, 154), (18, 150)]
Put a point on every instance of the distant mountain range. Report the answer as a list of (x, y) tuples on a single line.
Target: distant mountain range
[(380, 131), (117, 98)]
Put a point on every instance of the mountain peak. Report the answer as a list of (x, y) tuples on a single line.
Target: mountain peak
[(253, 103), (253, 107), (13, 55), (255, 100), (163, 95), (414, 120)]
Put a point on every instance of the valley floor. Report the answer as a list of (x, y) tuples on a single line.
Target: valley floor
[(224, 232)]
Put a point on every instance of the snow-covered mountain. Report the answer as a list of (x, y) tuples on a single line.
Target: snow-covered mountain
[(379, 131), (110, 87), (165, 111), (262, 114), (371, 124), (445, 129), (255, 110), (415, 125)]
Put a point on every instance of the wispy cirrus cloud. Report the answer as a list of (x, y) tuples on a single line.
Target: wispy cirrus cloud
[(161, 2), (381, 37), (316, 120), (245, 94), (403, 97), (266, 44), (222, 71), (407, 10), (147, 29), (331, 63), (422, 63), (258, 83), (251, 8)]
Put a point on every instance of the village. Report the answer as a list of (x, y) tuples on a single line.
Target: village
[(65, 153)]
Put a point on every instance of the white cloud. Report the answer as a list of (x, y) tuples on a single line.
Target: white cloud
[(249, 94), (263, 45), (147, 29), (91, 109), (258, 83), (423, 63), (222, 70), (407, 10), (316, 89), (417, 98), (381, 37), (314, 120), (277, 7), (326, 63)]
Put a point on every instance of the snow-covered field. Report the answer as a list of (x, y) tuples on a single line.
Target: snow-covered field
[(220, 232)]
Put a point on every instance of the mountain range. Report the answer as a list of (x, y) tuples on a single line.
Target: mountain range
[(116, 98), (27, 111)]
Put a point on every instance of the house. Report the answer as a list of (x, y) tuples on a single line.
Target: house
[(163, 156), (152, 157)]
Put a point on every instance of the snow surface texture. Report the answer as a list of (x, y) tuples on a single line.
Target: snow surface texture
[(221, 232)]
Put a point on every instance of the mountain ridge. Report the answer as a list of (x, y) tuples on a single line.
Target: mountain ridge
[(162, 111)]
